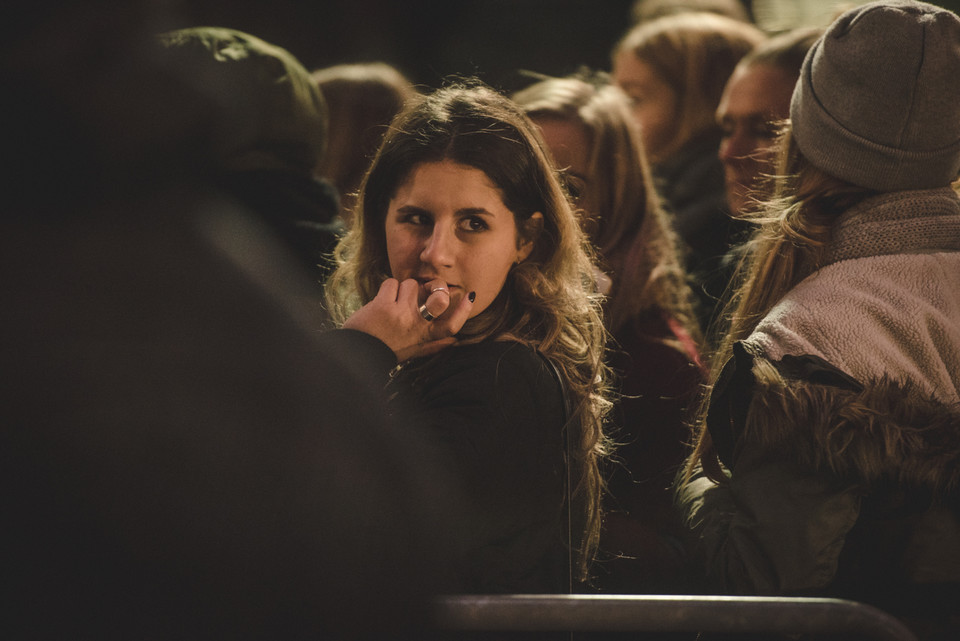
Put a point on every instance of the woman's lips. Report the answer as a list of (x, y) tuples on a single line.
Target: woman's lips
[(424, 281)]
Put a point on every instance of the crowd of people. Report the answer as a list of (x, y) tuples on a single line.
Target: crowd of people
[(288, 347)]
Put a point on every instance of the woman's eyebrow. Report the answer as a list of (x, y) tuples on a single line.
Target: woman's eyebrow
[(473, 211), (463, 211), (412, 209)]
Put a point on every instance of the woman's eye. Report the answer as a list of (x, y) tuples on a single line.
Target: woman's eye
[(416, 218), (765, 131), (473, 224)]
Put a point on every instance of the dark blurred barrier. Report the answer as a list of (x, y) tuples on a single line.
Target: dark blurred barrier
[(632, 613)]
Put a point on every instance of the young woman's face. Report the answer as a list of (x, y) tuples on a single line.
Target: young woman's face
[(447, 221), (654, 102)]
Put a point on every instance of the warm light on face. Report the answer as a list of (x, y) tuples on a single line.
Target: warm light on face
[(447, 221), (756, 96)]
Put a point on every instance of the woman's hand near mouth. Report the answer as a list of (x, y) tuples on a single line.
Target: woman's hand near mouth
[(411, 328)]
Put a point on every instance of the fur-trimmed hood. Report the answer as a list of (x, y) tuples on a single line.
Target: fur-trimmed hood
[(879, 432), (856, 370)]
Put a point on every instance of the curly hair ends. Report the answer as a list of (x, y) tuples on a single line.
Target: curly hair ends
[(548, 301)]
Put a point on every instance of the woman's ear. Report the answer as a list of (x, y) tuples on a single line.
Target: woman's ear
[(528, 235)]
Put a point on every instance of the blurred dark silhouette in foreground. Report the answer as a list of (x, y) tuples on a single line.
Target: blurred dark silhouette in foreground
[(183, 454)]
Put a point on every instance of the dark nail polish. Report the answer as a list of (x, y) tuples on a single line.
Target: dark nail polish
[(472, 296)]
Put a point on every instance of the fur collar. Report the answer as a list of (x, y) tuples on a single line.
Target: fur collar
[(884, 431)]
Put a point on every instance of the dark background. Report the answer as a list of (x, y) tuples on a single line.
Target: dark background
[(426, 39), (430, 39)]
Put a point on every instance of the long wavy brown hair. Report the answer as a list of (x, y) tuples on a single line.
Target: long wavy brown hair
[(548, 301)]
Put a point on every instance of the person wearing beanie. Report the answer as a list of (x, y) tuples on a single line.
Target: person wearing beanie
[(828, 454)]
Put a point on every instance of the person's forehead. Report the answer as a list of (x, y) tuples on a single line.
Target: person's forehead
[(759, 88)]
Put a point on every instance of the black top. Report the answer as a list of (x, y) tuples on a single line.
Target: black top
[(497, 410), (180, 456)]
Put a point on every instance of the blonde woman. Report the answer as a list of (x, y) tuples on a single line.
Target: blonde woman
[(587, 124), (828, 458), (466, 259)]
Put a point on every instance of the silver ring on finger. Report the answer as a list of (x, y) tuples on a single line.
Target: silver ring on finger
[(425, 313)]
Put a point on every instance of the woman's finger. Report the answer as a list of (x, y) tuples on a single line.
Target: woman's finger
[(392, 317), (456, 317), (388, 289), (408, 292), (437, 300)]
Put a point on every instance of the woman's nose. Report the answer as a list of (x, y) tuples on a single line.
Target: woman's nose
[(438, 248)]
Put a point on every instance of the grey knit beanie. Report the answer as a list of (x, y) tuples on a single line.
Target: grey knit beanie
[(878, 99)]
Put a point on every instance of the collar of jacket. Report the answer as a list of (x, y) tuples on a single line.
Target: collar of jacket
[(885, 432), (904, 222)]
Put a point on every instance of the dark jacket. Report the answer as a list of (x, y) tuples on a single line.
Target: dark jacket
[(692, 187), (177, 454), (498, 412), (862, 502), (643, 543)]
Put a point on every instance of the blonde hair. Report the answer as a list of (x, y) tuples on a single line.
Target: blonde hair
[(548, 300), (635, 241), (694, 53), (794, 227)]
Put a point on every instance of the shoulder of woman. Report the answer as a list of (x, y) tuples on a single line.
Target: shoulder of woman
[(489, 390), (503, 362), (492, 374)]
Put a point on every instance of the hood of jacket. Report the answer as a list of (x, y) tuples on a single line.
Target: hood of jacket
[(265, 110), (882, 431)]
